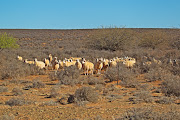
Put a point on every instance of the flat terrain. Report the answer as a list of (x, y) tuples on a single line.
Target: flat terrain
[(113, 100)]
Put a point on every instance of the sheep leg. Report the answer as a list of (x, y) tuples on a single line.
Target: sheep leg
[(55, 73), (92, 72), (98, 72), (84, 72), (87, 71)]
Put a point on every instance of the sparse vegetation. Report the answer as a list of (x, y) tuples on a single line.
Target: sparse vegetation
[(17, 102), (155, 74), (54, 93), (147, 113), (7, 117), (142, 96), (108, 94), (16, 91), (111, 39), (86, 94), (127, 77), (3, 89), (171, 85), (50, 103), (38, 84)]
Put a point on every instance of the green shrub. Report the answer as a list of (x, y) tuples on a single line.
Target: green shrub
[(7, 41)]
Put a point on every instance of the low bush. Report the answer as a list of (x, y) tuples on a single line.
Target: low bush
[(165, 100), (127, 76), (7, 41), (16, 91), (3, 89), (99, 87), (170, 85), (95, 81), (141, 96), (54, 93), (38, 84), (112, 74), (147, 113), (68, 76), (111, 39), (155, 74), (153, 39), (143, 87), (86, 94), (7, 117), (17, 102)]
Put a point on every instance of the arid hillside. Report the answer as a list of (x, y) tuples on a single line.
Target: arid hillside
[(136, 74)]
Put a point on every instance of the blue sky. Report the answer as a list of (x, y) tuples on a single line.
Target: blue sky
[(81, 14)]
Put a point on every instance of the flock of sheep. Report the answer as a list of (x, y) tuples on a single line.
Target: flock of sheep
[(81, 63), (88, 67)]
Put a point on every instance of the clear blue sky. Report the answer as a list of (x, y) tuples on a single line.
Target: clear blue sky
[(78, 14)]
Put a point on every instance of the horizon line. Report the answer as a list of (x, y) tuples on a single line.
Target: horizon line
[(86, 28)]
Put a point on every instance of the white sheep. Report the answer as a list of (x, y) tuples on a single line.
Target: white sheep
[(112, 63), (130, 62), (56, 67), (105, 64), (28, 62), (68, 63), (147, 63), (53, 62), (157, 61), (173, 62), (78, 64), (61, 64), (72, 62), (50, 58), (39, 64), (47, 63), (118, 60), (98, 65), (75, 58), (87, 66), (19, 58)]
